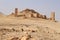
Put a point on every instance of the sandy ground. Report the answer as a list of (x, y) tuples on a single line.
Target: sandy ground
[(37, 28)]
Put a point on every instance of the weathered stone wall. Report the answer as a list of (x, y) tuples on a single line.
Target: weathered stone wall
[(35, 15), (28, 13), (40, 16)]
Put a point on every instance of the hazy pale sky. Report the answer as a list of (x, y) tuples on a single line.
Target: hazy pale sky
[(41, 6)]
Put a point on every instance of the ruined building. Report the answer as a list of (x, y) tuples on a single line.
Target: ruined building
[(16, 12), (52, 16), (30, 13)]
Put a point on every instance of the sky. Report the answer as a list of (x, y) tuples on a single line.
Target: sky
[(42, 6)]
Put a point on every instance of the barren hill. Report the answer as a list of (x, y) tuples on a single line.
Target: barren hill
[(39, 29)]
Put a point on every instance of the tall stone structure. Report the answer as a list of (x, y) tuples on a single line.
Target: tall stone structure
[(16, 12), (52, 16), (44, 17)]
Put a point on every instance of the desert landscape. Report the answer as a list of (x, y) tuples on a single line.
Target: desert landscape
[(29, 25)]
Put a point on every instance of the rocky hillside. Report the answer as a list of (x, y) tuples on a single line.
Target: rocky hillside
[(28, 29)]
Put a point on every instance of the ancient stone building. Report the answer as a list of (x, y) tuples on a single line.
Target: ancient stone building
[(52, 16), (16, 12), (30, 13), (27, 13)]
